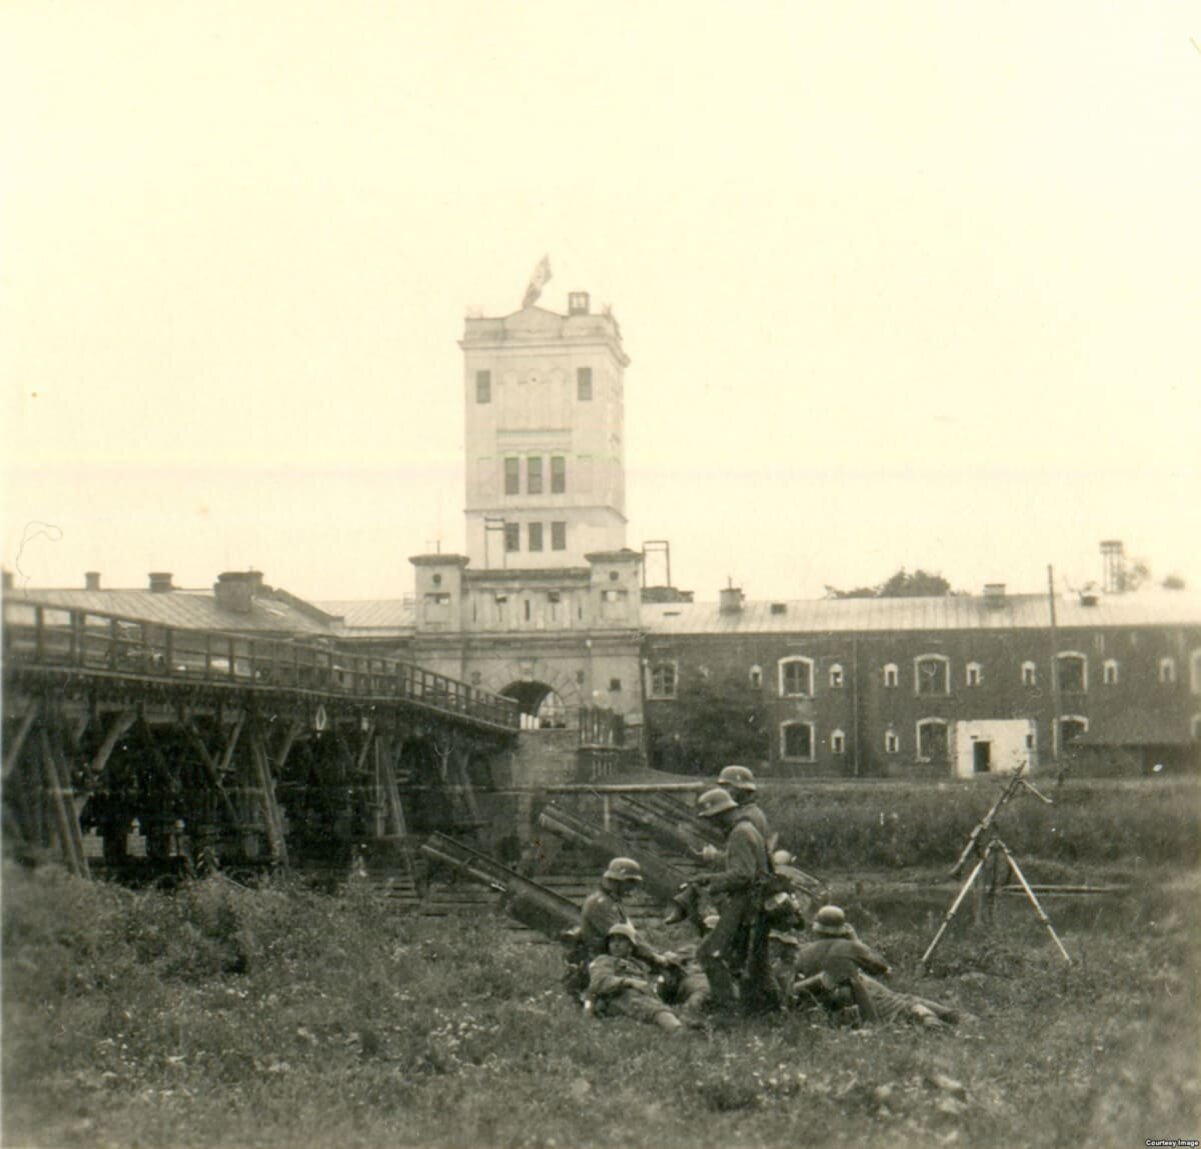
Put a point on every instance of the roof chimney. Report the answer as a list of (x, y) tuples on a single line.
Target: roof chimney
[(730, 599), (994, 595), (8, 579), (1113, 566), (160, 582), (577, 303), (235, 590), (91, 580)]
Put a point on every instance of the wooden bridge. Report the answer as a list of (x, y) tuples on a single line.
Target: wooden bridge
[(218, 745)]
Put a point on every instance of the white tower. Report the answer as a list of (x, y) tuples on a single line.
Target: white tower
[(544, 437)]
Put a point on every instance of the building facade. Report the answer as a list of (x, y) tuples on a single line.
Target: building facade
[(947, 687)]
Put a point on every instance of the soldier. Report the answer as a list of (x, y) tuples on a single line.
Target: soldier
[(739, 783), (620, 984), (603, 909), (838, 970), (737, 948)]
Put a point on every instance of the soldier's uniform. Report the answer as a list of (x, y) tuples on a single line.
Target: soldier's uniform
[(625, 986), (737, 947)]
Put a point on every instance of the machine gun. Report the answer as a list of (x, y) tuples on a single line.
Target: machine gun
[(529, 903), (661, 879), (1015, 783)]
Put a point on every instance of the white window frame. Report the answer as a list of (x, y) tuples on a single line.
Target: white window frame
[(892, 676), (1110, 674), (923, 722), (662, 664), (780, 672), (755, 677), (892, 742), (784, 755), (973, 674), (1059, 747), (946, 675), (1167, 671), (1059, 658), (1029, 673), (838, 742), (836, 678)]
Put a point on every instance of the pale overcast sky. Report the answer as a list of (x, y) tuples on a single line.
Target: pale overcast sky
[(903, 283)]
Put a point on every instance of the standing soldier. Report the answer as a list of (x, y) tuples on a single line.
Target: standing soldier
[(739, 783), (737, 947)]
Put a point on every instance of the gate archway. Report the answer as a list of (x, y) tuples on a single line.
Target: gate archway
[(542, 707)]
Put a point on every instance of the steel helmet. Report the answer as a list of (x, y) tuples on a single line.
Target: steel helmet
[(737, 776), (624, 870), (831, 922), (714, 802), (622, 930), (782, 858)]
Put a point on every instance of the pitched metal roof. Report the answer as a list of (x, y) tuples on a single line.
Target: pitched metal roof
[(184, 609), (952, 612), (395, 615)]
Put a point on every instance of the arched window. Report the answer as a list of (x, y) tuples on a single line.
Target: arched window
[(1071, 726), (796, 741), (836, 675), (932, 740), (1109, 672), (1072, 669), (974, 674), (796, 677), (838, 742), (932, 674), (756, 677), (1029, 674), (892, 743), (891, 675), (1167, 671)]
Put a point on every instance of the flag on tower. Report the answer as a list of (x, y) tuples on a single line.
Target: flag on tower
[(538, 278)]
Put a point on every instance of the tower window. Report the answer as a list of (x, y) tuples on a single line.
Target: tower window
[(1109, 672), (512, 536), (483, 386), (756, 677), (796, 677), (838, 742), (512, 475), (533, 475), (836, 678), (892, 744), (1167, 671), (558, 475), (1029, 674), (583, 382), (890, 674), (932, 740), (558, 536), (535, 536), (975, 674)]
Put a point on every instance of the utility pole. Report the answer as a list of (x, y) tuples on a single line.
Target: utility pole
[(1055, 704)]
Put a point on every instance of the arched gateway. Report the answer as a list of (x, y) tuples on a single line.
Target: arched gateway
[(542, 708)]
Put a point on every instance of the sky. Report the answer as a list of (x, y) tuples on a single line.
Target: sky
[(903, 284)]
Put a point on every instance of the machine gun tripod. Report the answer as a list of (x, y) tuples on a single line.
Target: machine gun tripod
[(984, 841)]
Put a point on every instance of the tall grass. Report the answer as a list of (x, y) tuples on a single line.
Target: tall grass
[(1148, 823), (220, 1016)]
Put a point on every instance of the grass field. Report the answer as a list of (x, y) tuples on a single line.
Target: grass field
[(220, 1016)]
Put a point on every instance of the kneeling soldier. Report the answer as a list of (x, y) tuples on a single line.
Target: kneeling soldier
[(621, 984)]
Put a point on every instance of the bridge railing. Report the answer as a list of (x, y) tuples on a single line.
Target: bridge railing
[(46, 635)]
